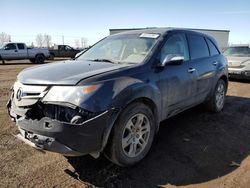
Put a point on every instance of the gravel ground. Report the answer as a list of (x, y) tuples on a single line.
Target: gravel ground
[(192, 149)]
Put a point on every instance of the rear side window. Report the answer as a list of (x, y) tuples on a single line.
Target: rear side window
[(20, 46), (198, 47), (212, 48)]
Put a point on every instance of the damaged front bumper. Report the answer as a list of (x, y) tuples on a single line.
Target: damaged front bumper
[(67, 138)]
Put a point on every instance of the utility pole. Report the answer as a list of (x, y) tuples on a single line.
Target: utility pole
[(82, 42), (63, 39)]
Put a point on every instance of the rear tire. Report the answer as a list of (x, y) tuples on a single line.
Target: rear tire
[(217, 101), (39, 59), (3, 62), (132, 135)]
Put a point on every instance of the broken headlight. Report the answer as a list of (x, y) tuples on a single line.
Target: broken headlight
[(64, 113)]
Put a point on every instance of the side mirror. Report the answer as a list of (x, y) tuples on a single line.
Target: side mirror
[(172, 59)]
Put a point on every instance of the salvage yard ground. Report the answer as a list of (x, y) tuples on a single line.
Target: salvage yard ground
[(192, 149)]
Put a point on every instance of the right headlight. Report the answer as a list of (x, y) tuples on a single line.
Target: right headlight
[(70, 94)]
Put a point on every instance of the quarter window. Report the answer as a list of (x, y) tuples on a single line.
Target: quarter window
[(212, 48), (198, 47)]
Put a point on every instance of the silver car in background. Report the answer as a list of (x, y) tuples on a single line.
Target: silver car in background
[(238, 57)]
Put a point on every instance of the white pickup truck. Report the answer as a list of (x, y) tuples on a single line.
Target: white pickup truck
[(18, 51)]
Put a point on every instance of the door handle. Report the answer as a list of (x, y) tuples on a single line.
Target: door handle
[(15, 50), (191, 70), (215, 63)]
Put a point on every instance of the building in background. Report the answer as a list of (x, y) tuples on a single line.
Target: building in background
[(221, 36)]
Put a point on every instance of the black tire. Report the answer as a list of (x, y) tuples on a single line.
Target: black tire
[(52, 57), (212, 104), (39, 59), (3, 62), (115, 151)]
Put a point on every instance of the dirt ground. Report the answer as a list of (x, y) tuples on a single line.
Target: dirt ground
[(192, 149)]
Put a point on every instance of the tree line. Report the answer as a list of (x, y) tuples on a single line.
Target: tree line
[(44, 40)]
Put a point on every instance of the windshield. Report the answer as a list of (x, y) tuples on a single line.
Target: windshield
[(238, 51), (122, 49), (1, 46)]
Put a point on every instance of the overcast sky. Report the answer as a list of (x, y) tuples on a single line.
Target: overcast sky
[(24, 19)]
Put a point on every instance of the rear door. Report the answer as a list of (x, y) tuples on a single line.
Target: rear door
[(10, 51), (202, 65), (22, 51)]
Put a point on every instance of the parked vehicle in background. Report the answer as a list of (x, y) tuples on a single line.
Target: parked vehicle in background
[(63, 51), (18, 51), (112, 98), (238, 57), (81, 52)]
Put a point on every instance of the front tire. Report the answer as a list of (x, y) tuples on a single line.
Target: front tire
[(217, 101), (52, 57), (132, 135)]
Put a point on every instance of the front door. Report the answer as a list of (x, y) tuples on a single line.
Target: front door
[(177, 84), (10, 52)]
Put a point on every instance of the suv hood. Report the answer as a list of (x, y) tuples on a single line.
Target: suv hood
[(236, 61), (64, 73)]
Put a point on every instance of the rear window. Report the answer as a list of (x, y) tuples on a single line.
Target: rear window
[(212, 48), (20, 46), (198, 47)]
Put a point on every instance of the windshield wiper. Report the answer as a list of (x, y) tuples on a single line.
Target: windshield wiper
[(103, 60)]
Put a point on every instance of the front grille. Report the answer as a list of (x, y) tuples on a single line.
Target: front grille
[(26, 95)]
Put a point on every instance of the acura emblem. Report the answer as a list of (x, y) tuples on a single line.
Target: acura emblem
[(19, 94)]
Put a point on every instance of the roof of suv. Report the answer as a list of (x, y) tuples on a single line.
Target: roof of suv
[(161, 31)]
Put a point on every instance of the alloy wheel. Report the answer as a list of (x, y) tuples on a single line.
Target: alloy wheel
[(135, 135)]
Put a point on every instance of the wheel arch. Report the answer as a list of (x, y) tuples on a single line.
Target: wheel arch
[(40, 54), (225, 79), (145, 100)]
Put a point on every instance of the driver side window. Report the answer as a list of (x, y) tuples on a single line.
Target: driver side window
[(175, 45), (10, 47)]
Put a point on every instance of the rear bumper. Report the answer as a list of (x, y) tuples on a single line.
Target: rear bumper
[(62, 137)]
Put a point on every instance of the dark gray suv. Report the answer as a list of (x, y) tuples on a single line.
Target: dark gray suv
[(113, 97)]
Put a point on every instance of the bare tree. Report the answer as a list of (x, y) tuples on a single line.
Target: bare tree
[(47, 40), (39, 40), (4, 38), (77, 43)]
